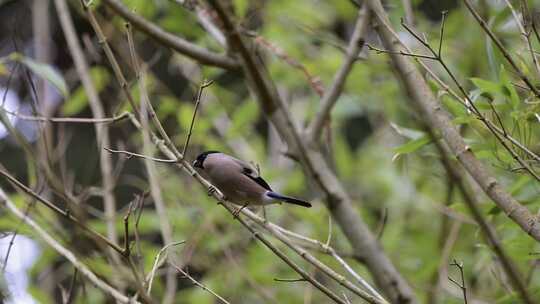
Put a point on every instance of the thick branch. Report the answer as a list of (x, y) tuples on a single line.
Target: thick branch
[(176, 43), (440, 121), (489, 233), (339, 202)]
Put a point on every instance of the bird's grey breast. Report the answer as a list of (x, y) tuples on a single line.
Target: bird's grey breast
[(228, 175)]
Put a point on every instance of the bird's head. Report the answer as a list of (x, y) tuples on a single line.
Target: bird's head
[(199, 161)]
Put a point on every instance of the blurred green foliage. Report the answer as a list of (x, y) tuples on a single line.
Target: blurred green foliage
[(392, 169)]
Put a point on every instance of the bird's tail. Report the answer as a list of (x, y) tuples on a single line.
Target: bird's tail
[(286, 199)]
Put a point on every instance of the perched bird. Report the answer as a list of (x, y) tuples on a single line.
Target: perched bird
[(239, 181)]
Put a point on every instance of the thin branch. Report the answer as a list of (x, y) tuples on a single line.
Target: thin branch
[(313, 80), (332, 94), (469, 104), (487, 230), (69, 119), (122, 80), (102, 130), (526, 36), (438, 119), (402, 53), (155, 190), (167, 39), (204, 85), (465, 101), (127, 251), (502, 48), (158, 262), (315, 164), (290, 280), (12, 240), (205, 19), (325, 248), (133, 154), (340, 279), (283, 257), (109, 54), (81, 267), (200, 285), (97, 236), (462, 284)]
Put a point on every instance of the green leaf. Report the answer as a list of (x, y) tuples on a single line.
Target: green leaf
[(508, 88), (411, 146), (487, 86), (407, 132), (44, 71)]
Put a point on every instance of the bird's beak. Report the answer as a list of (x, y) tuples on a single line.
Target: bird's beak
[(197, 164)]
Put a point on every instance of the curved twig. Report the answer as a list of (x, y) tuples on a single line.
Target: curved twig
[(167, 39)]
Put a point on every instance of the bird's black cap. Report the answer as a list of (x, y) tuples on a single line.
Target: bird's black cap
[(199, 161)]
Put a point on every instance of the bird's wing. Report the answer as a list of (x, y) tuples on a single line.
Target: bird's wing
[(250, 171), (259, 180), (246, 167)]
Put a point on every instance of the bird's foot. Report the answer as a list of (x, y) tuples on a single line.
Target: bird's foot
[(237, 211), (211, 190)]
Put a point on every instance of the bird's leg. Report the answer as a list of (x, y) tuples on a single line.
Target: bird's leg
[(264, 214), (211, 190), (237, 212)]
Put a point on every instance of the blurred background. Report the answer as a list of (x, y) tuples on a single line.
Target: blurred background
[(375, 144)]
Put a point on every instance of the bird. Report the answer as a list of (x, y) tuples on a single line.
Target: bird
[(239, 181)]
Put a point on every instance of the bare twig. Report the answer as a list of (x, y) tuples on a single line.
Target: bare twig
[(132, 154), (340, 279), (465, 101), (439, 120), (158, 262), (12, 239), (289, 280), (459, 179), (199, 284), (127, 251), (469, 104), (332, 94), (122, 80), (313, 160), (69, 119), (313, 80), (205, 19), (402, 53), (526, 36), (82, 268), (502, 48), (102, 131), (204, 85), (155, 190), (283, 257), (462, 284), (97, 236)]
